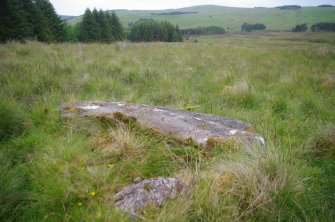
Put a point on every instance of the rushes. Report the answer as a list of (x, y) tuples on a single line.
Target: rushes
[(261, 185), (262, 181)]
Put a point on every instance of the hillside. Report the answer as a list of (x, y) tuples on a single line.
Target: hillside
[(206, 15)]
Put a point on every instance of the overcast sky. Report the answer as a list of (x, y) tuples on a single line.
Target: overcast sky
[(77, 7)]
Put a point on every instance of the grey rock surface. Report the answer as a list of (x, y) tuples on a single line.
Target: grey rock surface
[(150, 192), (182, 124)]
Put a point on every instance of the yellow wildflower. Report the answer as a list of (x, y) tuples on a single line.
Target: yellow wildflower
[(93, 193), (111, 166), (189, 108)]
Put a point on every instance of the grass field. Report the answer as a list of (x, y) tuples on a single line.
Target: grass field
[(233, 18), (284, 84)]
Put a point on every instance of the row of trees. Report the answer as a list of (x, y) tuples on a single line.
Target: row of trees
[(37, 20), (99, 26), (323, 27), (211, 30), (325, 6), (289, 7), (251, 27), (149, 30), (30, 19), (319, 27)]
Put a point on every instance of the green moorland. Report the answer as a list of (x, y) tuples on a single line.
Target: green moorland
[(208, 15), (284, 84)]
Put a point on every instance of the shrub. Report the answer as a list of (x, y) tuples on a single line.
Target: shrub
[(251, 27), (323, 27), (300, 28)]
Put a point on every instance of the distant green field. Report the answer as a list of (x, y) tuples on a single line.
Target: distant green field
[(232, 18)]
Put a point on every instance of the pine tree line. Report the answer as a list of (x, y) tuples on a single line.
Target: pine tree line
[(37, 20), (211, 30), (99, 26), (30, 19), (148, 30)]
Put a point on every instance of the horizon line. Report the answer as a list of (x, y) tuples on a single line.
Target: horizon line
[(124, 9)]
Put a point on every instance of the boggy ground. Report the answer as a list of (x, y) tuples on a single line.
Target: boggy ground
[(53, 170)]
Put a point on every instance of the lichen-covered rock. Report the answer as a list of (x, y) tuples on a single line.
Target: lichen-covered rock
[(150, 192), (188, 126)]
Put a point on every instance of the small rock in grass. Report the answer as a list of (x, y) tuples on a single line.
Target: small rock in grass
[(150, 192)]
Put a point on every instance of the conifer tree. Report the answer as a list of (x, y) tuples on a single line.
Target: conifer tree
[(105, 28), (96, 18), (108, 32), (13, 21), (50, 27), (89, 29), (117, 29), (30, 19)]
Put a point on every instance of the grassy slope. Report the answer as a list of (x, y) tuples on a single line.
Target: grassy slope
[(50, 171), (274, 19)]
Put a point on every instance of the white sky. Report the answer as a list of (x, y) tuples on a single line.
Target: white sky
[(77, 7)]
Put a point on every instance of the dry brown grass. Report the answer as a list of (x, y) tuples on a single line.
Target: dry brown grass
[(120, 142)]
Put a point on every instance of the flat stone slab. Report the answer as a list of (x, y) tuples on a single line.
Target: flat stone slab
[(201, 128), (150, 192)]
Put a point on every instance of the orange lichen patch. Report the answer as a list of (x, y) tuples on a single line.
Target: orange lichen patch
[(147, 186), (328, 85), (251, 130), (225, 183), (152, 132), (171, 138), (71, 102), (104, 117), (96, 103), (232, 143), (69, 109), (123, 118), (175, 140)]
